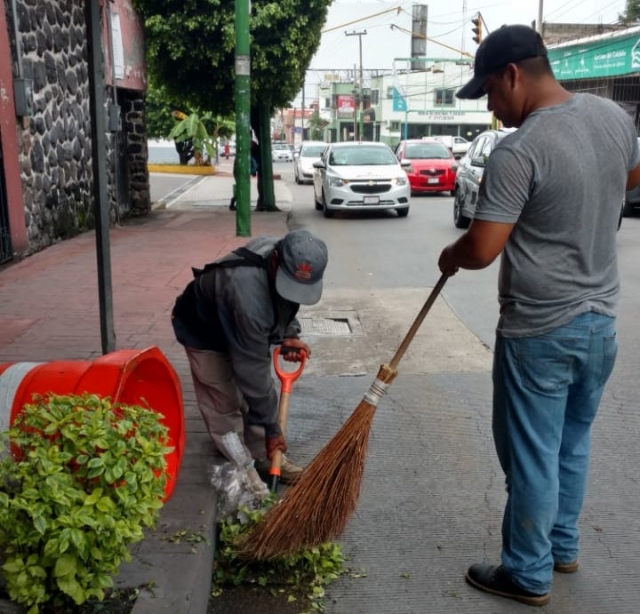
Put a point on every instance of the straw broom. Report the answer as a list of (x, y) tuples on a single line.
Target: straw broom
[(318, 506)]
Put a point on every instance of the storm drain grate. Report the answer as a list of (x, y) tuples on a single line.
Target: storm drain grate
[(325, 326)]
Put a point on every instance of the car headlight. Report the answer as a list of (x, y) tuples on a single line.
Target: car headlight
[(403, 180), (336, 182)]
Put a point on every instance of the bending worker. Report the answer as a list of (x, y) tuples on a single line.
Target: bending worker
[(227, 319)]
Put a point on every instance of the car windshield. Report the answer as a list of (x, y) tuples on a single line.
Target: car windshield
[(361, 156), (281, 147), (426, 151), (312, 151)]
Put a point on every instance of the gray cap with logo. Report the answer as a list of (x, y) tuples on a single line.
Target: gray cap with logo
[(302, 259)]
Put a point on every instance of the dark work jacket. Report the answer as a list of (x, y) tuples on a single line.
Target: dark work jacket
[(236, 311)]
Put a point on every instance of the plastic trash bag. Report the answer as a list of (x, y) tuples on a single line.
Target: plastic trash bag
[(237, 482)]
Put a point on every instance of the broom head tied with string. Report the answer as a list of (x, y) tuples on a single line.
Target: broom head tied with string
[(318, 506)]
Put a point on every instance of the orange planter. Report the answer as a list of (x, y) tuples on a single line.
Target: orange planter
[(130, 377)]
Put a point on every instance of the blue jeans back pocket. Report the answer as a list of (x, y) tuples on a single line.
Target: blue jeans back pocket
[(609, 353), (545, 363)]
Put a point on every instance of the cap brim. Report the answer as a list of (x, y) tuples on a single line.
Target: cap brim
[(294, 291), (474, 89)]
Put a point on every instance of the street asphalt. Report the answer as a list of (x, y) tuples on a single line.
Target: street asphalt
[(432, 493)]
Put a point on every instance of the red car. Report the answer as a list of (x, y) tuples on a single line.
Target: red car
[(433, 167)]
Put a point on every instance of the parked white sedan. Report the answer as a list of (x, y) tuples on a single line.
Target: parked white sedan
[(309, 152), (360, 176)]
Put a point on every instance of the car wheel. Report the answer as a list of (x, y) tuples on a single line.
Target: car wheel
[(453, 192), (315, 200), (459, 219), (403, 212), (295, 175), (325, 210), (627, 208)]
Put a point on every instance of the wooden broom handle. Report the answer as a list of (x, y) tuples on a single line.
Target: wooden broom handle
[(417, 322)]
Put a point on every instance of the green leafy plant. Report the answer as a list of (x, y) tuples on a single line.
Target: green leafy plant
[(85, 478), (303, 575), (192, 128)]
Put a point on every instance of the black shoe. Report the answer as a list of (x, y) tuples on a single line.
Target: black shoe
[(495, 580)]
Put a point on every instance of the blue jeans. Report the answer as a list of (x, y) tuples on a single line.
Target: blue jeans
[(547, 390)]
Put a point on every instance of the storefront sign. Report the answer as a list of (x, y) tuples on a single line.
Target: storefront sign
[(597, 59), (441, 116), (346, 106), (399, 101)]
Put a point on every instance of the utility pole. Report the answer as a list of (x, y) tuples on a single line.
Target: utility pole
[(302, 128), (243, 102), (539, 23), (99, 167), (360, 35)]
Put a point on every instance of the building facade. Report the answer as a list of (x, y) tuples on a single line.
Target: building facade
[(606, 65), (46, 177), (405, 103)]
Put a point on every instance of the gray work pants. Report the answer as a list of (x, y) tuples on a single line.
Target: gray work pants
[(221, 403)]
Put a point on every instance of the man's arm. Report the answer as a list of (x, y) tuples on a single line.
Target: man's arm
[(477, 248), (633, 178)]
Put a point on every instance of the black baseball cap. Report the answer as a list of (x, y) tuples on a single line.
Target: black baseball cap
[(503, 46)]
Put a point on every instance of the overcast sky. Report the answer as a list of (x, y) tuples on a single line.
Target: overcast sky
[(447, 22)]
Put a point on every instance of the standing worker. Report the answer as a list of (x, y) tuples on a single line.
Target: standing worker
[(550, 202), (228, 318), (227, 149)]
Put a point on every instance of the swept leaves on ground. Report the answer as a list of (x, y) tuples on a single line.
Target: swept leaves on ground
[(300, 578)]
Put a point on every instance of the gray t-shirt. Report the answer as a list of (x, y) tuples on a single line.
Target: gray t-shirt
[(561, 179)]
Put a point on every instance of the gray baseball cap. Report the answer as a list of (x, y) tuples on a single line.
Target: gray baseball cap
[(302, 259)]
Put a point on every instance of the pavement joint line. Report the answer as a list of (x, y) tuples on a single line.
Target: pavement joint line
[(183, 189)]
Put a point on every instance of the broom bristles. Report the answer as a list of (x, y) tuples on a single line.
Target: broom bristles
[(318, 506)]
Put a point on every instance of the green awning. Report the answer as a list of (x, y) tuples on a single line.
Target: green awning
[(610, 57)]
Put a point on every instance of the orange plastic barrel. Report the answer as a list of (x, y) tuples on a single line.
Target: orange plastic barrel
[(134, 377)]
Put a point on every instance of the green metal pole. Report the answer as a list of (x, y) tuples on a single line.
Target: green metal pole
[(243, 135)]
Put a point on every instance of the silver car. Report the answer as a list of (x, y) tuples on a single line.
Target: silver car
[(309, 153), (360, 176)]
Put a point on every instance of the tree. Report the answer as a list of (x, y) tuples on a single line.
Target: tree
[(632, 12), (163, 112), (316, 126), (190, 50)]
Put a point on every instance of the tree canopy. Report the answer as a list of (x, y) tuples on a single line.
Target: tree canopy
[(191, 48), (631, 13)]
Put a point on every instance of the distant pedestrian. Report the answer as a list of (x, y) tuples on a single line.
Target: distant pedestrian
[(227, 150), (549, 201), (228, 318), (255, 158)]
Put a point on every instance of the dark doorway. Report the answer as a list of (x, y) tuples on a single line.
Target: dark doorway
[(6, 253), (122, 158)]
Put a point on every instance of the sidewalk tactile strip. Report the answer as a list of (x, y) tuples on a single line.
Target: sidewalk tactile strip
[(325, 326)]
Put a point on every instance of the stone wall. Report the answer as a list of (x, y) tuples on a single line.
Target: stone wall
[(134, 126), (55, 155)]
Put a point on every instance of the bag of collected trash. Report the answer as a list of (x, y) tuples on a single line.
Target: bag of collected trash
[(237, 482)]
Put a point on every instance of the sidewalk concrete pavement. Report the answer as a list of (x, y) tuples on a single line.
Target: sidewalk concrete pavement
[(205, 193), (49, 311)]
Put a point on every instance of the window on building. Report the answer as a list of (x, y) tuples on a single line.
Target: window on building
[(375, 95), (394, 127), (390, 92), (444, 97), (327, 103)]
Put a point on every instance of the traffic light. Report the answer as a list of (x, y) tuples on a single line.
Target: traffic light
[(477, 28)]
